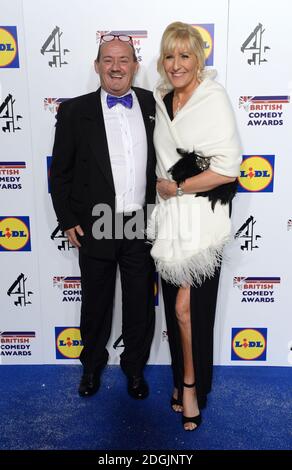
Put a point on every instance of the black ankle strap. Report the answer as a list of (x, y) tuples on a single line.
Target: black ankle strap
[(190, 385)]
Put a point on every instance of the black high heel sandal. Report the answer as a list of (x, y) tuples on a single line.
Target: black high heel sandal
[(195, 419), (175, 401)]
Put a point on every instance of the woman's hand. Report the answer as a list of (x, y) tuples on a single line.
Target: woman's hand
[(166, 188)]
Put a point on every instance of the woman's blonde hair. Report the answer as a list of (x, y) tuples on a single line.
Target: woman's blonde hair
[(179, 34)]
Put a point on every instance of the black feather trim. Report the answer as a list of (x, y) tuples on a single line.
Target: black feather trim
[(192, 164)]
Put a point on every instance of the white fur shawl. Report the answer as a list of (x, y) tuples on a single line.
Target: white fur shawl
[(188, 237)]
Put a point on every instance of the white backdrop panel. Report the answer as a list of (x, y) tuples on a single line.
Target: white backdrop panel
[(253, 57)]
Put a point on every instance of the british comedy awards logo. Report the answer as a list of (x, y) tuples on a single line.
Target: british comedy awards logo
[(11, 175), (207, 33), (137, 36), (69, 286), (52, 104), (249, 344), (264, 110), (256, 289), (16, 343), (257, 174), (9, 57), (14, 234), (68, 342)]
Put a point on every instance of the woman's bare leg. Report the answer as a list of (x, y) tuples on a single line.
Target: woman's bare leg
[(183, 313)]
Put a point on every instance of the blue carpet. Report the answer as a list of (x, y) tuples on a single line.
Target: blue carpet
[(249, 408)]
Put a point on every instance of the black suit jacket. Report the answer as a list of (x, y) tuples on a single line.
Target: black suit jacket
[(81, 174)]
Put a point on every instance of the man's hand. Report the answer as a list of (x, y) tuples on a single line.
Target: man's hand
[(71, 234), (166, 188)]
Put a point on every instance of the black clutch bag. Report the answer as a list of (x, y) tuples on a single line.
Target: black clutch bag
[(192, 164)]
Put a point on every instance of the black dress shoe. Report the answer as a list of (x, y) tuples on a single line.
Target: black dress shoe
[(89, 384), (137, 387)]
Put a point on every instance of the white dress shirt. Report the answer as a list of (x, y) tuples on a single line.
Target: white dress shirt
[(127, 144)]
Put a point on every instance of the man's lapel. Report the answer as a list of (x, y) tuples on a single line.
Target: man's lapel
[(97, 135)]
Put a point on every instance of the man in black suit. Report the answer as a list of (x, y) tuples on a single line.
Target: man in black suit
[(104, 163)]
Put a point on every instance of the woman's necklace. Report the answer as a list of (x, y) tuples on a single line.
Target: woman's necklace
[(178, 103)]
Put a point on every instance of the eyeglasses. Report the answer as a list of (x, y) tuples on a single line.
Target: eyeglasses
[(111, 37)]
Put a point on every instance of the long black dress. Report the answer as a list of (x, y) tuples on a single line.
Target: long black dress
[(203, 307)]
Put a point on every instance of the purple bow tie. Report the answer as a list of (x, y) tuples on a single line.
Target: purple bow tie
[(126, 101)]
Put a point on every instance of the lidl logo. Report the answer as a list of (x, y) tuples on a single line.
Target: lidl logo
[(207, 33), (249, 344), (68, 342), (14, 234), (8, 47), (257, 173)]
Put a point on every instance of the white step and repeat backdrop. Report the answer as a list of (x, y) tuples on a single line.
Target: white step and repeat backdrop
[(47, 50)]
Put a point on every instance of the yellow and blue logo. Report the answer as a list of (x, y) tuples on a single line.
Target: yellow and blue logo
[(257, 174), (249, 344), (68, 342), (207, 33), (14, 234), (9, 57)]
